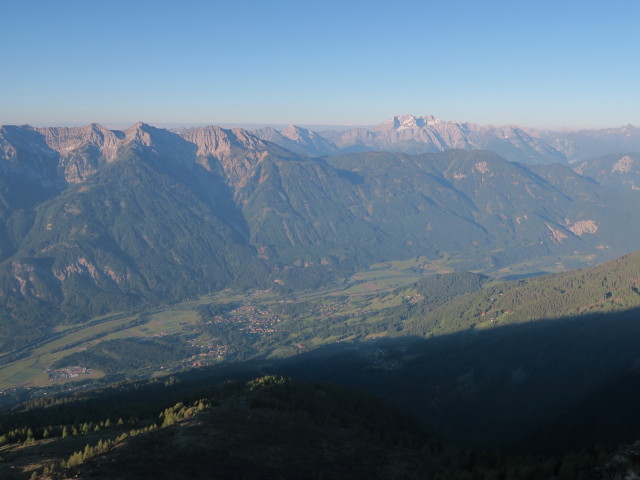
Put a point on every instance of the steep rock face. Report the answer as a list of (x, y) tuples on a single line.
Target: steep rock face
[(26, 153), (64, 140), (59, 156), (83, 149), (232, 153)]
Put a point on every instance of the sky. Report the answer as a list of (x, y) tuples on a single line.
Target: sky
[(544, 64)]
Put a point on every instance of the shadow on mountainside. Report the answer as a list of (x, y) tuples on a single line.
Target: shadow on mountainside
[(546, 387), (549, 386)]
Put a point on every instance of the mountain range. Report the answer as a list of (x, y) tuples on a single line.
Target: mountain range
[(422, 134), (94, 220)]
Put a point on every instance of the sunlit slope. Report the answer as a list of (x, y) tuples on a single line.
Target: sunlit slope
[(609, 287)]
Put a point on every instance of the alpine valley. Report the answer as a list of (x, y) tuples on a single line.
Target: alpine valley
[(479, 280)]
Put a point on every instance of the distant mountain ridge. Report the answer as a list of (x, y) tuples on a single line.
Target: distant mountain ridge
[(299, 140), (583, 145), (422, 134), (616, 170), (95, 220)]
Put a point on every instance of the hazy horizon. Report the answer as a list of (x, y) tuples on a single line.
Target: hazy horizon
[(279, 126), (542, 65)]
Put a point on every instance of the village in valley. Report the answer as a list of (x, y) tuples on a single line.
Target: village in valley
[(223, 326), (67, 372)]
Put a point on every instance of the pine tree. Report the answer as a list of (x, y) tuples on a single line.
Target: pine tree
[(75, 459)]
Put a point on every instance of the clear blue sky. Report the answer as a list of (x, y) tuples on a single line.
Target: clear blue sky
[(533, 63)]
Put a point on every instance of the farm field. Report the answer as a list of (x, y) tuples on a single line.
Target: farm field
[(254, 323), (183, 319)]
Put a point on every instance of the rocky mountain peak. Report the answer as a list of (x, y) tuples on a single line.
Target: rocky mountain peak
[(68, 139), (236, 150), (266, 131), (220, 142), (247, 140), (138, 133), (402, 122), (298, 140), (294, 132)]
